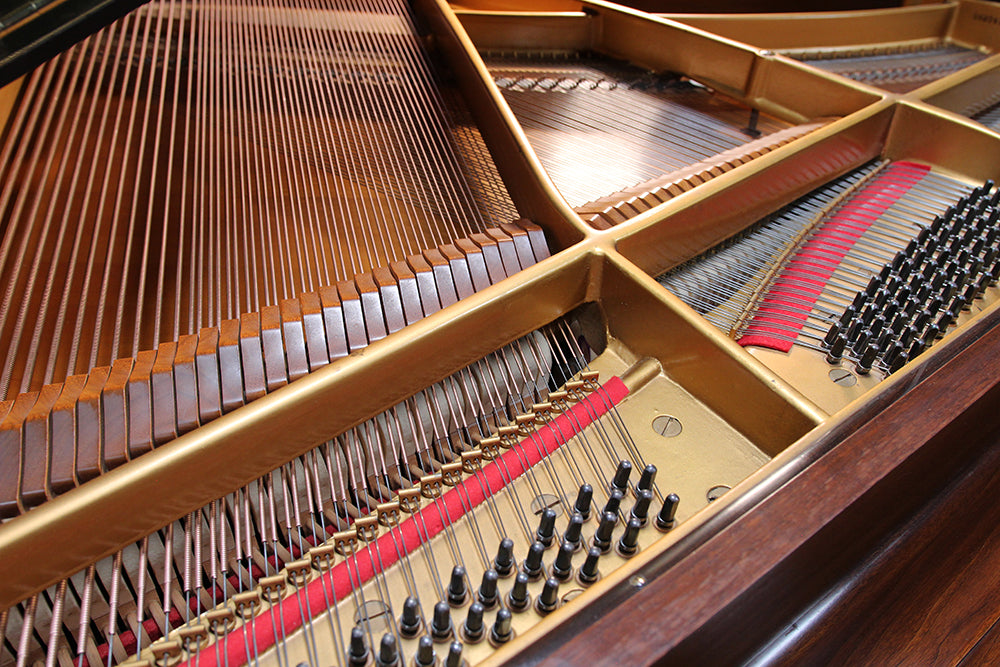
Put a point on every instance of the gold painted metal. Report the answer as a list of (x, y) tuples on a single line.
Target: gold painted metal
[(775, 85), (780, 87), (709, 451), (960, 150), (536, 198), (964, 150), (757, 420), (968, 23), (968, 91), (808, 30), (699, 222)]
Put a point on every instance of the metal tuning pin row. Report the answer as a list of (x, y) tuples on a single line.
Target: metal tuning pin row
[(922, 291)]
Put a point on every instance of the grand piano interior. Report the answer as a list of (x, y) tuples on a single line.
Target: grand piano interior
[(384, 333)]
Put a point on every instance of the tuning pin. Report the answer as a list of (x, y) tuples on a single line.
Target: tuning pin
[(409, 620), (473, 628), (850, 312), (855, 330), (971, 292), (665, 519), (899, 361), (441, 628), (862, 342), (629, 542), (936, 224), (504, 562), (874, 283), (357, 652), (917, 348), (454, 658), (549, 597), (957, 304), (620, 480), (518, 598), (859, 301), (904, 269), (563, 566), (574, 531), (588, 572), (647, 478), (640, 510), (425, 653), (546, 527), (457, 590), (614, 502), (602, 537), (488, 589), (836, 352), (388, 653), (864, 365), (886, 271), (583, 499), (503, 627), (894, 350), (831, 335), (533, 563), (878, 324)]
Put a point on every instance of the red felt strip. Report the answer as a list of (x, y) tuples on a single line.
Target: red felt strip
[(793, 294), (414, 531)]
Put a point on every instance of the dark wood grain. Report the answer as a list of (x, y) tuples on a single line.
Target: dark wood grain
[(986, 651), (896, 483), (925, 596)]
